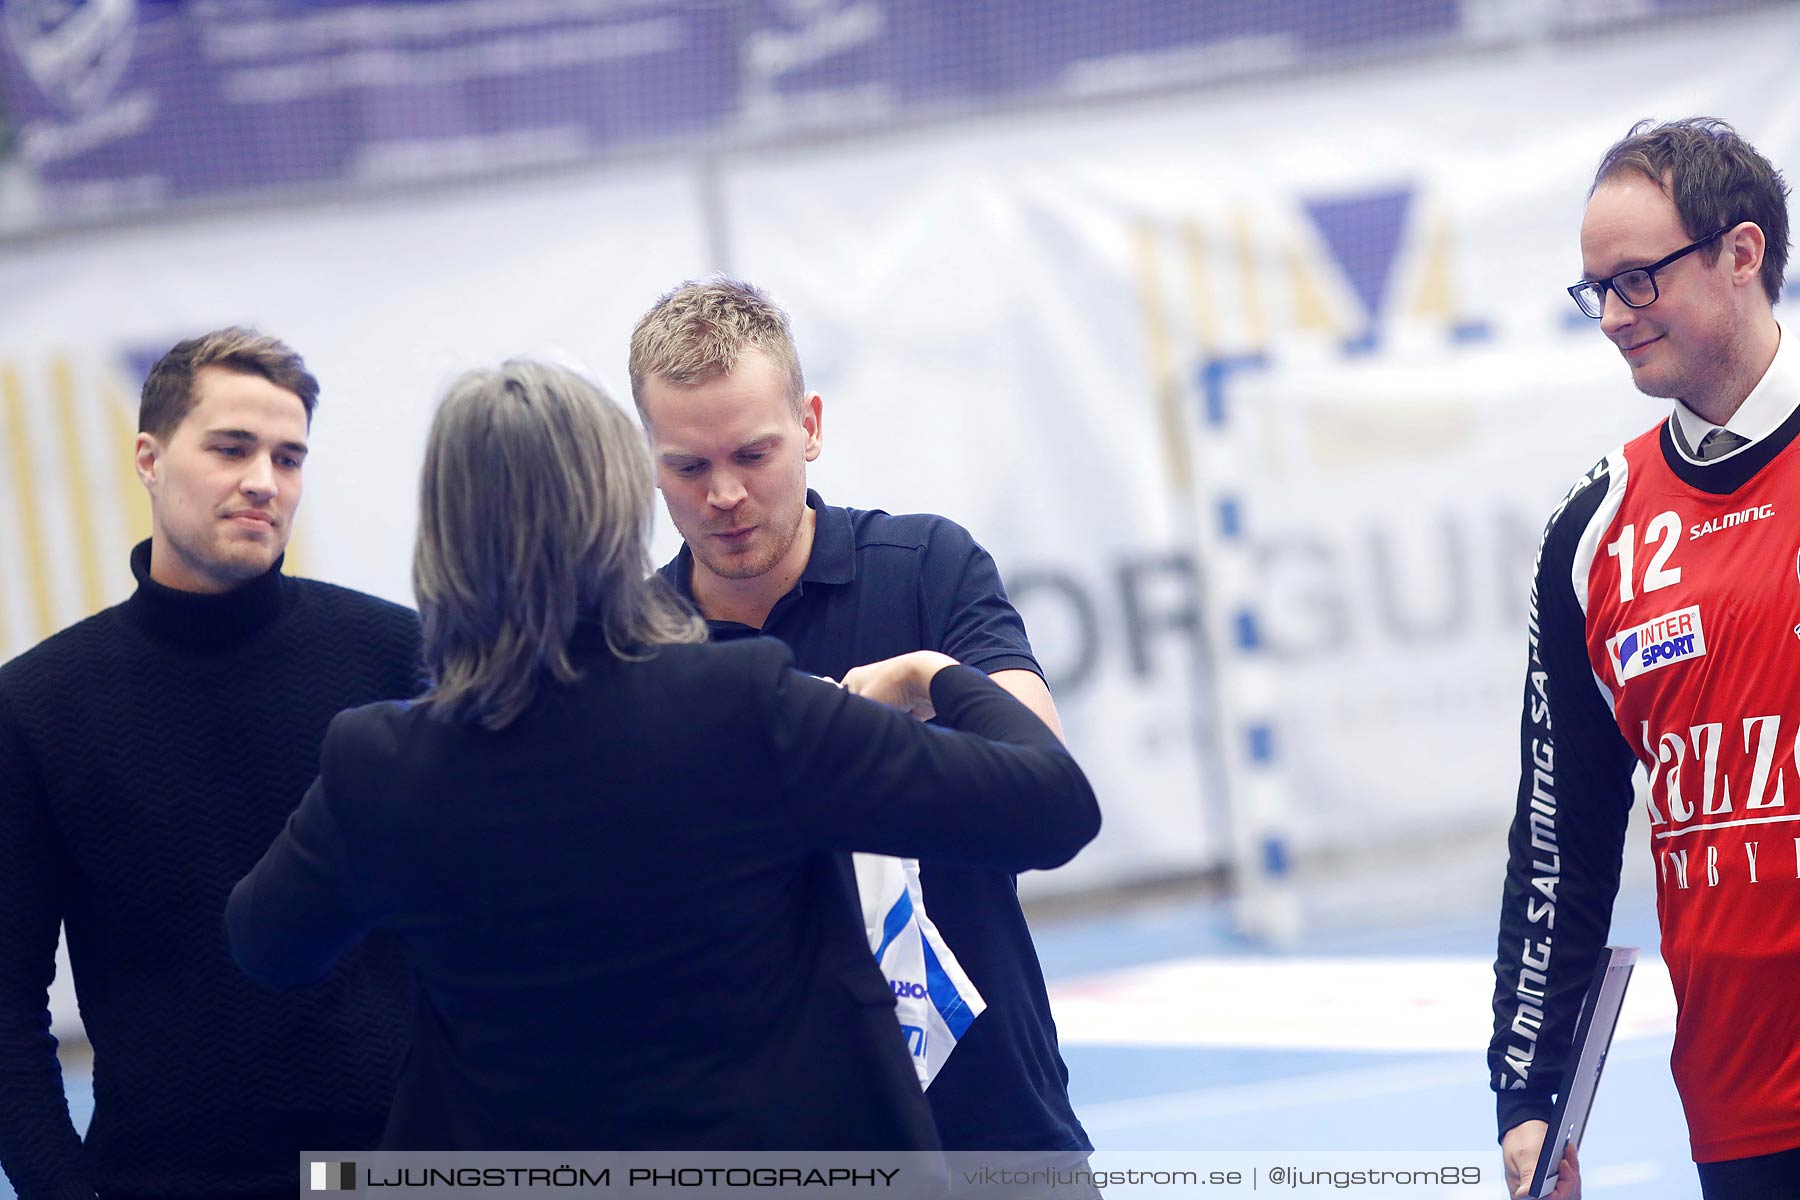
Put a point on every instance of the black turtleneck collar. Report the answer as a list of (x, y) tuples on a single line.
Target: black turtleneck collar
[(203, 620)]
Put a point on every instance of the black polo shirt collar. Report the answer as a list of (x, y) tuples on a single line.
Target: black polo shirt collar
[(832, 562), (833, 557)]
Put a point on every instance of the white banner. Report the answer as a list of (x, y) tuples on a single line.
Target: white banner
[(1396, 512)]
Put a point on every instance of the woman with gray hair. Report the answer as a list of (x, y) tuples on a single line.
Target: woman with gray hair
[(606, 844)]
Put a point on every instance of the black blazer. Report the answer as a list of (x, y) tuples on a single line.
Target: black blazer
[(625, 929)]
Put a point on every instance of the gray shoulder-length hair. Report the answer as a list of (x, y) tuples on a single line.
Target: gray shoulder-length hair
[(534, 513)]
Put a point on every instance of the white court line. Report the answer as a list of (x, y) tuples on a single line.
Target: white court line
[(1412, 1006), (1301, 1090)]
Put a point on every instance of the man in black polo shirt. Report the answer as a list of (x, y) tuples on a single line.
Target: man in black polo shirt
[(718, 384)]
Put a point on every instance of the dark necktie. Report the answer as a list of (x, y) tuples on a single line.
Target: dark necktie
[(1718, 444)]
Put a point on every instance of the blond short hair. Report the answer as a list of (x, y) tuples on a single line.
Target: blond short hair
[(699, 330), (534, 513)]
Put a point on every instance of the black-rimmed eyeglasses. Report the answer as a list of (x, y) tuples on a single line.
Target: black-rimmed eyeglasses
[(1636, 287)]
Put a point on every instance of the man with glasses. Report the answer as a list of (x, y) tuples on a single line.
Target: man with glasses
[(1665, 629)]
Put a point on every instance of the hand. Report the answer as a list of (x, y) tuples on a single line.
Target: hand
[(1520, 1149), (902, 682)]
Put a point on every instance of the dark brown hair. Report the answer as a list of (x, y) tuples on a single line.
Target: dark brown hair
[(168, 393), (1715, 179)]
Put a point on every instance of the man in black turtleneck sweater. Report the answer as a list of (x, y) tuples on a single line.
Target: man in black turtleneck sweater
[(148, 756)]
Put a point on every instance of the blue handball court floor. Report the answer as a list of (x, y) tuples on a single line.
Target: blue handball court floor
[(1367, 1033)]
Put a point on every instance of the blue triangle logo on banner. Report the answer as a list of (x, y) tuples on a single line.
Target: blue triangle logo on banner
[(1363, 234)]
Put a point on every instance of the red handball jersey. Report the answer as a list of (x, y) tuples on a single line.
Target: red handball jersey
[(1666, 632)]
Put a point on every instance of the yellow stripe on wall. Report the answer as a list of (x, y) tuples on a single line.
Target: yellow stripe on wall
[(1244, 241), (80, 492), (296, 562), (134, 504), (1206, 321), (1162, 359), (1437, 290), (25, 496), (1310, 310)]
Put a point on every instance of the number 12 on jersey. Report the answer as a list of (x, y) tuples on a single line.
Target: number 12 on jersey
[(1664, 531)]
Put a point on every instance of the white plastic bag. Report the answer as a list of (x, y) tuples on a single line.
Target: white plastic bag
[(936, 1002)]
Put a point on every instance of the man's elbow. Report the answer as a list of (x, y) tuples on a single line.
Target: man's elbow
[(261, 953), (1076, 821)]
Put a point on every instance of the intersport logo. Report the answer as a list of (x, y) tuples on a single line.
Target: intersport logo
[(1657, 643)]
